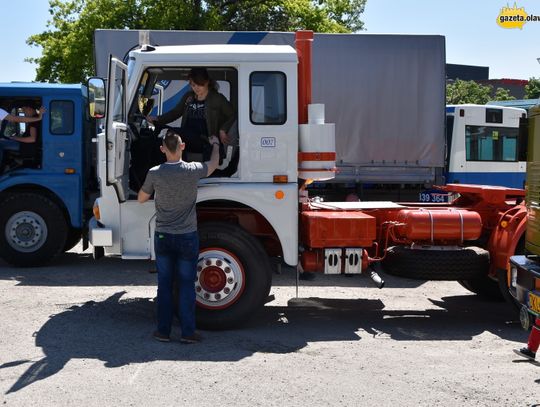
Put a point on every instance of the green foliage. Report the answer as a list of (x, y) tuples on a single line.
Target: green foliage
[(503, 94), (68, 41), (459, 92), (532, 89)]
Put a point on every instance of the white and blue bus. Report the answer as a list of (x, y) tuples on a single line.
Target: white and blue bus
[(485, 145)]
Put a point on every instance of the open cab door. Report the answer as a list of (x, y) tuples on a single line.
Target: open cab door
[(118, 139)]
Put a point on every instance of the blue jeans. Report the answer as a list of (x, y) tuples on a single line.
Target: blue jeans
[(176, 260)]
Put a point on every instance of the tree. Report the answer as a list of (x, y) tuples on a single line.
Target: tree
[(67, 43), (503, 94), (460, 92), (532, 89)]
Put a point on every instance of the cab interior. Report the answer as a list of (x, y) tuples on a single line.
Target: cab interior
[(29, 154), (159, 90)]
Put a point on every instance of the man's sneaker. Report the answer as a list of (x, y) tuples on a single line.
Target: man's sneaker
[(195, 338), (158, 336), (526, 353)]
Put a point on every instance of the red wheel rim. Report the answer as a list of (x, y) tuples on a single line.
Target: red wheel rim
[(220, 280)]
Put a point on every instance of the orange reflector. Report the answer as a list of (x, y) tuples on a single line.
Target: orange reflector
[(281, 179), (504, 224), (69, 171), (319, 156), (97, 215), (279, 194)]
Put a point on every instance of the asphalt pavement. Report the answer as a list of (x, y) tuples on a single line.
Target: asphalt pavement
[(78, 332)]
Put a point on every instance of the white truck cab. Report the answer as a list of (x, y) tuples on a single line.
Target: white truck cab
[(248, 209)]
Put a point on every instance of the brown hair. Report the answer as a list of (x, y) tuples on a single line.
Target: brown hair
[(200, 77), (172, 141)]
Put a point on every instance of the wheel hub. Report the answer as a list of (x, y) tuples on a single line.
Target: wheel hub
[(220, 279), (26, 231), (213, 279)]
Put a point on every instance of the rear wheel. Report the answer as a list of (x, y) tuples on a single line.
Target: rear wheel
[(233, 276), (484, 286), (424, 264), (34, 229), (494, 288)]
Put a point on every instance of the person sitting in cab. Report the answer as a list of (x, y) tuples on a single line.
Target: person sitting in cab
[(31, 117), (205, 112)]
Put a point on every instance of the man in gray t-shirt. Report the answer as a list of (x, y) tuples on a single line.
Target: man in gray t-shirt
[(176, 241)]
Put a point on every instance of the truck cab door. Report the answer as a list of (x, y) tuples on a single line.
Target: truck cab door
[(117, 129)]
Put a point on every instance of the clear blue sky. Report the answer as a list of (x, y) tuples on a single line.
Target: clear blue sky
[(472, 35)]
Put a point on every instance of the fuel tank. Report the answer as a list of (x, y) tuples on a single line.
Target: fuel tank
[(439, 225)]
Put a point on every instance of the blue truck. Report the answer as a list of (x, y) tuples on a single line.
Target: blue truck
[(47, 187)]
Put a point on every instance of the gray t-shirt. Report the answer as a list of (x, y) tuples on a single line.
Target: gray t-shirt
[(175, 185)]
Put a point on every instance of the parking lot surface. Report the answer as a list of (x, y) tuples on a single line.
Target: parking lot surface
[(78, 332)]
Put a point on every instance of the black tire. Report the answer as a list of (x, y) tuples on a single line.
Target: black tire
[(451, 265), (485, 286), (74, 236), (249, 270), (33, 229), (502, 277)]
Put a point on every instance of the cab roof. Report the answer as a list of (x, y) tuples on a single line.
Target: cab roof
[(217, 53), (41, 89)]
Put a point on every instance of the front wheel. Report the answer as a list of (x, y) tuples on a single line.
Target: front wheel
[(233, 276), (34, 229)]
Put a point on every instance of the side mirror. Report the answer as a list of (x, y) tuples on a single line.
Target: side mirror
[(96, 98)]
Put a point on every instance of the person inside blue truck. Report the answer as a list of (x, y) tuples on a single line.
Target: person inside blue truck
[(205, 112), (13, 142)]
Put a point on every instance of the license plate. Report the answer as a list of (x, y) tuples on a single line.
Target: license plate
[(534, 303)]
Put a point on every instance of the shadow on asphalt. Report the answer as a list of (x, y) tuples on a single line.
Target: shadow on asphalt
[(81, 270), (117, 331)]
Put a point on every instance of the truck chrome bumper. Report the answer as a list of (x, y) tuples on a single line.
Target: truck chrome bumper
[(99, 235)]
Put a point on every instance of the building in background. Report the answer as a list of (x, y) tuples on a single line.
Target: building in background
[(521, 103), (480, 74), (466, 72), (516, 87)]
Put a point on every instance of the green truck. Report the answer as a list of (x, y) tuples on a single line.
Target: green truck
[(524, 273)]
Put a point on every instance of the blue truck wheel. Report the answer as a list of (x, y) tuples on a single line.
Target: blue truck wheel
[(34, 229)]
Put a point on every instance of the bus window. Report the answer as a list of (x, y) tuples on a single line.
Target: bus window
[(509, 148), (483, 143)]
